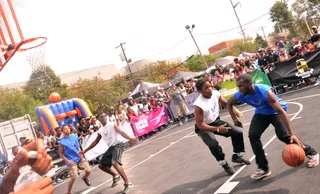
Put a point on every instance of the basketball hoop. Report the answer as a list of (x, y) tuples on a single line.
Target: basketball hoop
[(35, 48)]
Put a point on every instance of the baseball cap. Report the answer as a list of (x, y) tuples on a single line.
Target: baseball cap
[(314, 27)]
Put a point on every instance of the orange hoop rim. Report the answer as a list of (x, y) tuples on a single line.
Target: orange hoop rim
[(25, 42)]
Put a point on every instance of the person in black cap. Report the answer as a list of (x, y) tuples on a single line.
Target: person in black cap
[(315, 39)]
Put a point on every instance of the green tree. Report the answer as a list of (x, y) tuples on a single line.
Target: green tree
[(305, 11), (161, 71), (260, 41), (239, 47), (281, 14), (99, 93), (42, 83), (196, 64), (14, 103)]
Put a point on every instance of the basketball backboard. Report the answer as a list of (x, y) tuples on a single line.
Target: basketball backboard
[(10, 31)]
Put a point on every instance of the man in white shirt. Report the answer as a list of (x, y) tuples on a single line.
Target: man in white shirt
[(114, 137), (208, 124)]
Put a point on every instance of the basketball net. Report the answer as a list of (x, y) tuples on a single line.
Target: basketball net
[(35, 57)]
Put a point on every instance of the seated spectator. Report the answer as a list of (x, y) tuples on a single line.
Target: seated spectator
[(237, 71), (228, 76), (242, 63), (218, 78)]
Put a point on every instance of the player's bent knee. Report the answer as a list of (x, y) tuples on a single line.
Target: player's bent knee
[(114, 163), (101, 166)]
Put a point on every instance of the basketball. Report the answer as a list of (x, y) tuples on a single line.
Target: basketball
[(293, 155), (54, 97)]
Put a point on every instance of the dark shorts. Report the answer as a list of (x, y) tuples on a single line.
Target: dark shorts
[(114, 153)]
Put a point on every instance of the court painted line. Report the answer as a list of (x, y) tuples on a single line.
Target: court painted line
[(227, 116), (138, 164), (137, 146), (228, 186)]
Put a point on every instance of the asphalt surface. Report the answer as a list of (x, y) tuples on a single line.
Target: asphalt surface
[(177, 161)]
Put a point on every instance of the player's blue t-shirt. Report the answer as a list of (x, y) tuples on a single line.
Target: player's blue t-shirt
[(70, 148), (259, 100)]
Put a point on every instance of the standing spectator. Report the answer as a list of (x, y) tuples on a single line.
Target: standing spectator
[(96, 123), (69, 152), (12, 155), (133, 105), (82, 128), (112, 117), (315, 39), (3, 162), (22, 139), (179, 103), (249, 67), (183, 90), (154, 103)]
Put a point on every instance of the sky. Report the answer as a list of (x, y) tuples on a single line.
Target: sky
[(83, 34)]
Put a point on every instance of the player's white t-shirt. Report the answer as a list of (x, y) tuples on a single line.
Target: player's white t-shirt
[(209, 106), (110, 135)]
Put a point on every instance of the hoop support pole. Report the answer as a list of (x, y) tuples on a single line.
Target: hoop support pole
[(7, 24), (15, 19)]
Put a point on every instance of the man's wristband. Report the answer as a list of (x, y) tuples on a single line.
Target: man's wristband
[(218, 129)]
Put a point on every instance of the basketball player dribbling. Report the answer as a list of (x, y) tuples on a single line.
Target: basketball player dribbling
[(208, 124), (270, 109)]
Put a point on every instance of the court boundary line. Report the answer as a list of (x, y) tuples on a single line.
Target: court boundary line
[(234, 184), (226, 116)]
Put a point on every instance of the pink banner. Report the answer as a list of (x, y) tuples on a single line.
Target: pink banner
[(145, 123)]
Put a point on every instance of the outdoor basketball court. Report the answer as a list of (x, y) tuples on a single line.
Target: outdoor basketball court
[(177, 161)]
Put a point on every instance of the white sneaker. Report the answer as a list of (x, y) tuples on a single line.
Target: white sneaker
[(313, 160)]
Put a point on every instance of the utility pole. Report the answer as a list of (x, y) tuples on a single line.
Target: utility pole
[(235, 12), (264, 34), (125, 57), (305, 20), (194, 40)]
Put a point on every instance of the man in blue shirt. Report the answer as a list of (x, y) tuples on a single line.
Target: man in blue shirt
[(69, 152), (3, 162), (270, 109)]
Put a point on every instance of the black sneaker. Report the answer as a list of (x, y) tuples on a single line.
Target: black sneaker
[(115, 181), (239, 159), (86, 180), (229, 169), (127, 187)]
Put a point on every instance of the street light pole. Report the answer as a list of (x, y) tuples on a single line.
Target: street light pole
[(235, 12), (194, 40), (125, 57)]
